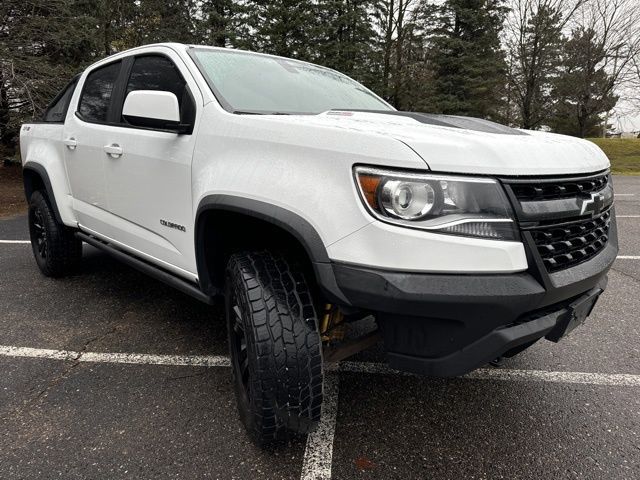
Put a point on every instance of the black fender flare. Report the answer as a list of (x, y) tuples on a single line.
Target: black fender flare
[(283, 218), (29, 187)]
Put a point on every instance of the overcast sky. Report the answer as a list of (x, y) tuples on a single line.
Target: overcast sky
[(628, 123)]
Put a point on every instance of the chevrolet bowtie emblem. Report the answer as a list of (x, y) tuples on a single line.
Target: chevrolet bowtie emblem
[(592, 205)]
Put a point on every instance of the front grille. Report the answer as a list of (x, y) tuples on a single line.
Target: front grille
[(559, 188), (563, 245)]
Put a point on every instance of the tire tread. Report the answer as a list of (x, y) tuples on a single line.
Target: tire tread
[(286, 388)]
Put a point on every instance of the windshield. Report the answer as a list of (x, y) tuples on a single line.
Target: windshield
[(248, 83)]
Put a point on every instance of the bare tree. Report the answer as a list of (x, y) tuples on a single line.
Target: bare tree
[(396, 22), (533, 39), (616, 27)]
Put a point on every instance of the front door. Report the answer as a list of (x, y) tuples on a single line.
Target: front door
[(148, 175)]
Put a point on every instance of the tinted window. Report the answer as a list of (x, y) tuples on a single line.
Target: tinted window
[(96, 95), (57, 110), (154, 72)]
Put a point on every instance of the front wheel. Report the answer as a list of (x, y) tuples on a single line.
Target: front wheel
[(275, 346)]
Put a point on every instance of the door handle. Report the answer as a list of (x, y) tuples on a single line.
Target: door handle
[(114, 150), (71, 143)]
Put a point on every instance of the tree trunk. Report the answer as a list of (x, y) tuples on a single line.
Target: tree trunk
[(399, 44), (387, 50), (4, 115)]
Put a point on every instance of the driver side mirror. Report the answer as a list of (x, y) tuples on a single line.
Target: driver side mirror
[(154, 109)]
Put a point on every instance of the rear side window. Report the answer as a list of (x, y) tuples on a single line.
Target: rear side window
[(57, 109), (96, 94)]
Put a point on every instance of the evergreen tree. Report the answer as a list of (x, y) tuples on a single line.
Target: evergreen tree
[(346, 40), (218, 23), (279, 27), (165, 21), (468, 63), (42, 45), (583, 90)]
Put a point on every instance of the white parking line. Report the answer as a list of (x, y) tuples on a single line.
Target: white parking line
[(132, 358), (615, 379), (620, 379), (15, 241), (318, 454), (624, 194), (628, 257)]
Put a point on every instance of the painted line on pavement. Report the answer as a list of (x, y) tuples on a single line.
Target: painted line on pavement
[(318, 453), (130, 358), (620, 379), (628, 257), (614, 379), (15, 241), (624, 194)]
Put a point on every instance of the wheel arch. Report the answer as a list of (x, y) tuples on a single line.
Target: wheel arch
[(219, 215), (35, 177)]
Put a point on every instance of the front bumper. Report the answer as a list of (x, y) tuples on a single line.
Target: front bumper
[(450, 324)]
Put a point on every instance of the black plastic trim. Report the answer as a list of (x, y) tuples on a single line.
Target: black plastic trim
[(449, 324), (44, 176), (72, 83), (568, 177), (289, 221), (149, 269), (506, 340), (451, 121), (478, 353)]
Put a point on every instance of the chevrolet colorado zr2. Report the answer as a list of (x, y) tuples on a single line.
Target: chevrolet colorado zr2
[(310, 204)]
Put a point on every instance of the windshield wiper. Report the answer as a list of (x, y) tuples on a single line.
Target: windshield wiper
[(249, 112)]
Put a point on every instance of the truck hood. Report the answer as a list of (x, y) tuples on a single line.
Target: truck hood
[(467, 145)]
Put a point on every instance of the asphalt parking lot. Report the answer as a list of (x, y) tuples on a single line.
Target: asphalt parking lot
[(75, 402)]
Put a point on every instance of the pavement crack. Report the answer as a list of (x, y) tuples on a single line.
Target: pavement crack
[(64, 374), (31, 402), (57, 379), (85, 346)]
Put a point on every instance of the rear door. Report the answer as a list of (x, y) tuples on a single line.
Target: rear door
[(85, 134), (148, 185)]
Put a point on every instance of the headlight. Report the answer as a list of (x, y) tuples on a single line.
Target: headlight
[(456, 205)]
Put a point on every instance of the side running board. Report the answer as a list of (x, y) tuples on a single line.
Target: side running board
[(145, 267)]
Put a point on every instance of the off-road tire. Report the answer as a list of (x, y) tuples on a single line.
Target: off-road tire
[(57, 251), (277, 371)]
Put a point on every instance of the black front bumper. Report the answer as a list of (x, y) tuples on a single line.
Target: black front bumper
[(448, 325)]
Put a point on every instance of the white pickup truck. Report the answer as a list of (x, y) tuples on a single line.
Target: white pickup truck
[(309, 203)]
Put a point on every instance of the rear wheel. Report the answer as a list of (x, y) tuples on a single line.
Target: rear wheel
[(55, 248), (275, 346)]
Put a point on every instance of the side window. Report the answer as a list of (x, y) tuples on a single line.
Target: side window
[(57, 109), (96, 94), (156, 72)]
